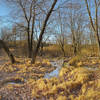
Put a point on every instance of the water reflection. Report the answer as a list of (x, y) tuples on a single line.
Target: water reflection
[(54, 73)]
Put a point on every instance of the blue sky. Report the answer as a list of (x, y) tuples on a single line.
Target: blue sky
[(4, 14), (4, 10)]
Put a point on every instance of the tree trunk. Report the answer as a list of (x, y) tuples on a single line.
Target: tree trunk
[(98, 41), (75, 50), (10, 55), (28, 41), (63, 52), (31, 41), (42, 31), (74, 43), (97, 27)]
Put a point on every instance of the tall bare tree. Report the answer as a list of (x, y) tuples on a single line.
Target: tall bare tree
[(42, 31), (95, 24), (61, 37), (29, 18), (75, 23), (26, 10)]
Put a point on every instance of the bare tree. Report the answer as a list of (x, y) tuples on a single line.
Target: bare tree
[(62, 41), (42, 31), (26, 9), (94, 24), (28, 19), (61, 37), (6, 34), (75, 23)]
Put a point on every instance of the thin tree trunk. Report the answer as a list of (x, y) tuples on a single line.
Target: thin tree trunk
[(28, 41), (74, 43), (31, 42), (10, 55), (41, 49), (75, 50), (63, 52), (42, 31), (98, 41), (96, 23)]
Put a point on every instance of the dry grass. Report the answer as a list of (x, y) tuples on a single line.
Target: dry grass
[(72, 84)]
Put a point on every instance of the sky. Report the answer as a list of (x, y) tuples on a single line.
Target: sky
[(4, 10), (4, 14)]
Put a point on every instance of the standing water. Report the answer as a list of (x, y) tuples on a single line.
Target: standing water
[(54, 73)]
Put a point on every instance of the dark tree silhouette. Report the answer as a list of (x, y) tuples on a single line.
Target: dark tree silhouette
[(10, 55)]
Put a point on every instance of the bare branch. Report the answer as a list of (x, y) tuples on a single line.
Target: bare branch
[(90, 17)]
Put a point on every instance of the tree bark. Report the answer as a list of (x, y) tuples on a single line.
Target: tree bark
[(31, 41), (63, 52), (10, 55), (42, 31), (28, 39), (96, 30)]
